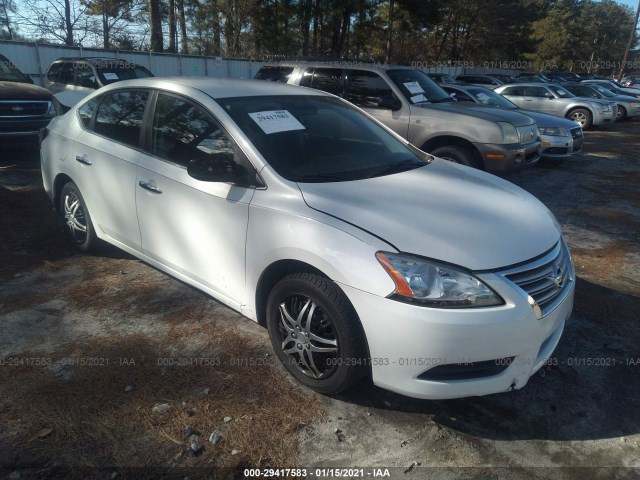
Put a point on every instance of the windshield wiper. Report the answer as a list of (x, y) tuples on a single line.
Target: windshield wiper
[(321, 177), (396, 167)]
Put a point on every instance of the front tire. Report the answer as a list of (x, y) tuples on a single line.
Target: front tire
[(77, 218), (457, 154), (315, 333), (622, 113), (582, 116)]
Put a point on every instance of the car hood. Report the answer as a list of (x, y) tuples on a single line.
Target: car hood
[(601, 101), (623, 98), (490, 114), (23, 91), (443, 211), (547, 120)]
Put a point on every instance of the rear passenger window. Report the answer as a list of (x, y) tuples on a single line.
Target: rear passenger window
[(119, 116), (366, 89), (275, 74), (325, 79), (183, 131), (517, 91), (85, 76), (61, 72)]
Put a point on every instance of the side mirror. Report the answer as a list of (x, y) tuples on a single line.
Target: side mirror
[(453, 96), (389, 102), (29, 78), (549, 96), (219, 167)]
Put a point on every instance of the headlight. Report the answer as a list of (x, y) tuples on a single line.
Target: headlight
[(635, 105), (435, 285), (553, 131), (52, 111), (509, 133)]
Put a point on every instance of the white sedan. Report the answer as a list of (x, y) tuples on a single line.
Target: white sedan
[(361, 254)]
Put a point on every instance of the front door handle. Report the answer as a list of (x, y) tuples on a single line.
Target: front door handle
[(148, 186), (82, 159)]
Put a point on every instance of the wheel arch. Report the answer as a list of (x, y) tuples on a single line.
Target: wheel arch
[(58, 184), (272, 275), (450, 140)]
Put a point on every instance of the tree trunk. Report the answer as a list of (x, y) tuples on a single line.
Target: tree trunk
[(184, 47), (155, 16), (171, 19), (67, 23), (316, 26), (306, 25), (105, 29), (390, 31)]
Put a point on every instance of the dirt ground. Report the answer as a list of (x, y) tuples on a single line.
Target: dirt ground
[(89, 345)]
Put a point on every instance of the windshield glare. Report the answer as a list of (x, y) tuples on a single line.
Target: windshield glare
[(491, 98), (417, 87), (320, 139)]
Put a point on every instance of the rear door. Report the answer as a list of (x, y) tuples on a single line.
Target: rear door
[(105, 158)]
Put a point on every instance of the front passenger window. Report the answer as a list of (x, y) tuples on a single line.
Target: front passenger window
[(183, 131), (367, 89)]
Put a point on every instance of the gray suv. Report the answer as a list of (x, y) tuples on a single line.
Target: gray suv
[(556, 100), (410, 103)]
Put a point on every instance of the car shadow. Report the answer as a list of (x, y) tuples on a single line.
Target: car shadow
[(589, 391)]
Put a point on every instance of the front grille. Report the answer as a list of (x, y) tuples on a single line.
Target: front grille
[(466, 371), (547, 279), (23, 108), (555, 151)]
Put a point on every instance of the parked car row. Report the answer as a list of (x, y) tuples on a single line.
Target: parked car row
[(408, 102), (26, 108)]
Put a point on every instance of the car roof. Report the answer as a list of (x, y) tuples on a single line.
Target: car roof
[(530, 84), (357, 64), (93, 60), (220, 87)]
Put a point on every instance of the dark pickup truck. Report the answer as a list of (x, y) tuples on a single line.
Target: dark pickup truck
[(24, 108)]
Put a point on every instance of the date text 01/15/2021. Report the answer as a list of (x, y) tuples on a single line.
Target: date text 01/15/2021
[(317, 472)]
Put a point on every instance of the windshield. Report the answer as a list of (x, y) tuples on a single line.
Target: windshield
[(320, 139), (491, 98), (114, 72), (9, 73), (561, 91), (603, 91), (584, 91), (417, 87)]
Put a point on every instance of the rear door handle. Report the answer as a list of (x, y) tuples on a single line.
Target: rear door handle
[(82, 159), (148, 186)]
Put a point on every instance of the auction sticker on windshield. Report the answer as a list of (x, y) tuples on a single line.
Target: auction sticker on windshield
[(275, 121), (414, 88), (418, 98), (110, 76)]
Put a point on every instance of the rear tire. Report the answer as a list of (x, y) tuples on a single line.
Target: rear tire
[(315, 333), (457, 154), (582, 116), (77, 219)]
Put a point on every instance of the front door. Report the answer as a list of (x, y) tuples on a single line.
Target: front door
[(194, 228)]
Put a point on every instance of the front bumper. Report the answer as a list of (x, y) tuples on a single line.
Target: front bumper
[(407, 341), (561, 146), (499, 158), (22, 129)]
